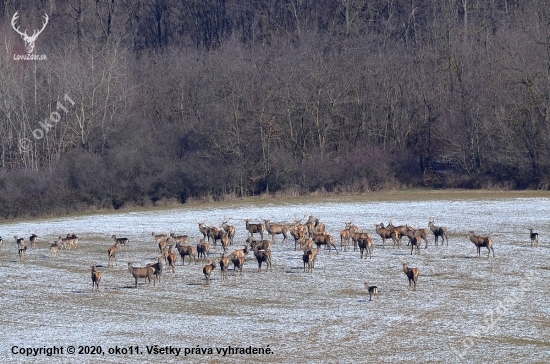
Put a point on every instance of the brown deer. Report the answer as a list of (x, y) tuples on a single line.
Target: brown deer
[(438, 231), (324, 238), (208, 269), (412, 274), (480, 242), (276, 229), (255, 229), (96, 278)]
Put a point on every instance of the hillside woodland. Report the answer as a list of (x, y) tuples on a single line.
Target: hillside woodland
[(150, 101)]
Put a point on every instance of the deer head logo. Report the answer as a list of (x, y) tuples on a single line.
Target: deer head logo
[(29, 40)]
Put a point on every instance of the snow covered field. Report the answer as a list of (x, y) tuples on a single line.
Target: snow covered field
[(466, 309)]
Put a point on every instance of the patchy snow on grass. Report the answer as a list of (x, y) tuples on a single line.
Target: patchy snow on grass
[(466, 309)]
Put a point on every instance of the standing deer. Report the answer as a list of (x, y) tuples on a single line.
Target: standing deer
[(96, 278), (275, 229), (412, 274), (438, 231), (534, 237), (229, 229), (255, 229), (480, 242), (373, 290)]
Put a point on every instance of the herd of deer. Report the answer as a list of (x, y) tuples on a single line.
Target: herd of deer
[(310, 236)]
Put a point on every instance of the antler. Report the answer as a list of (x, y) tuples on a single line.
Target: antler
[(13, 20)]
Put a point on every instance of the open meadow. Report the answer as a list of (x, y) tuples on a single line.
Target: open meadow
[(465, 309)]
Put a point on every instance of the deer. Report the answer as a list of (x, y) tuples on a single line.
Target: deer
[(438, 231), (309, 259), (111, 252), (398, 232), (157, 266), (171, 259), (365, 244), (323, 238), (384, 233), (29, 39), (422, 233), (142, 272), (255, 229), (415, 242), (96, 278), (298, 231), (53, 249), (373, 290), (238, 263), (22, 252), (184, 239), (120, 241), (203, 248), (480, 242), (345, 237), (19, 241), (33, 240), (534, 237), (208, 269), (224, 265), (412, 274), (229, 229), (276, 229), (260, 244), (158, 237), (224, 239), (263, 256), (216, 234), (240, 252), (187, 250), (204, 230)]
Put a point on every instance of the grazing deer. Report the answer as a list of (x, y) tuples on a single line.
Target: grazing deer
[(534, 237), (373, 291), (96, 278), (412, 274), (480, 242), (439, 231)]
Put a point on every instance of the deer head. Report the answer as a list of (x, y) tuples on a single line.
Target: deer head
[(29, 40)]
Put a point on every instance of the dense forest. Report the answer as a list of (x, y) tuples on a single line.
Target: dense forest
[(151, 101)]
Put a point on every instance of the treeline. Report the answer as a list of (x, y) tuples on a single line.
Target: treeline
[(142, 102)]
